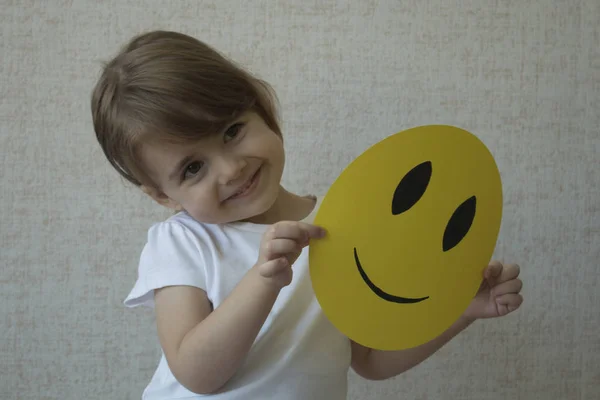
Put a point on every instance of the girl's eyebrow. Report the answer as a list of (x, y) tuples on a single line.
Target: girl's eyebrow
[(174, 174)]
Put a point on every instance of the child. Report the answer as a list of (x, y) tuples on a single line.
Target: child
[(227, 274)]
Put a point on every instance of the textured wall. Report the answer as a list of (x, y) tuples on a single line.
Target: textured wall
[(523, 75)]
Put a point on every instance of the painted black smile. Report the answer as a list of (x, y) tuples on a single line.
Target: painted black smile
[(379, 292)]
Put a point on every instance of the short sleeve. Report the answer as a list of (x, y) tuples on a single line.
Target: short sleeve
[(172, 256)]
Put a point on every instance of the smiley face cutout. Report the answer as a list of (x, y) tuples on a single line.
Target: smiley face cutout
[(412, 223)]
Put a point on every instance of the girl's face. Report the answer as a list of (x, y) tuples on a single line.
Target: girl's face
[(230, 176)]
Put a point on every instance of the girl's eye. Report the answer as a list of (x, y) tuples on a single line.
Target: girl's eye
[(192, 169), (233, 131)]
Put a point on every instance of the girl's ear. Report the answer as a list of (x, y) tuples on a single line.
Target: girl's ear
[(161, 198)]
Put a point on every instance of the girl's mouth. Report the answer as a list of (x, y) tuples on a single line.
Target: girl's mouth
[(247, 187)]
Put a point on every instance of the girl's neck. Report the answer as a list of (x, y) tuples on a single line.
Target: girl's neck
[(287, 207)]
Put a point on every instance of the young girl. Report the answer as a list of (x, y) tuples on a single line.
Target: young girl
[(227, 274)]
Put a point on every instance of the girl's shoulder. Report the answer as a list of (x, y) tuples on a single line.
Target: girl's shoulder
[(182, 226), (183, 220), (177, 252)]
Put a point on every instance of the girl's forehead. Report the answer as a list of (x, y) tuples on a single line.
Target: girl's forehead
[(166, 149)]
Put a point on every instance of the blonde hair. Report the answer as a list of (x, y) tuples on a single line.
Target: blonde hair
[(171, 87)]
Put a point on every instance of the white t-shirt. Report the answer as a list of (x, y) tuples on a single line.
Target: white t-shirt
[(297, 354)]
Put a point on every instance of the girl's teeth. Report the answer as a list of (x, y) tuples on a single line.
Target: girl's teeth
[(243, 189)]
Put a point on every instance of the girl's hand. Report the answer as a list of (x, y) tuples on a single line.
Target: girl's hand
[(499, 293), (281, 245)]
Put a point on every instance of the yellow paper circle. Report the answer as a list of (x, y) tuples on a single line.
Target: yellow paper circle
[(402, 261)]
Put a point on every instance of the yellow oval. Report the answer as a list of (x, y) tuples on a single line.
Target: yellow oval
[(382, 276)]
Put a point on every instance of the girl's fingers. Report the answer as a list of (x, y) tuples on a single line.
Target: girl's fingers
[(279, 247), (508, 303), (509, 272), (512, 286), (295, 230), (314, 232), (273, 267), (492, 271), (287, 238)]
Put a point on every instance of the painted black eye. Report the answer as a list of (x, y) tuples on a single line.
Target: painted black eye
[(411, 188), (459, 224)]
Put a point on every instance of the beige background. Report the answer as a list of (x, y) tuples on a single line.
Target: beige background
[(523, 75)]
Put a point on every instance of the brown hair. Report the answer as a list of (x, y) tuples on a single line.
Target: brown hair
[(170, 86)]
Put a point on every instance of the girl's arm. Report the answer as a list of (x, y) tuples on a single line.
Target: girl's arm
[(203, 348), (379, 365)]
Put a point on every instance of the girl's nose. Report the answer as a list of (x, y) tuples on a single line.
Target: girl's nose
[(230, 169)]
